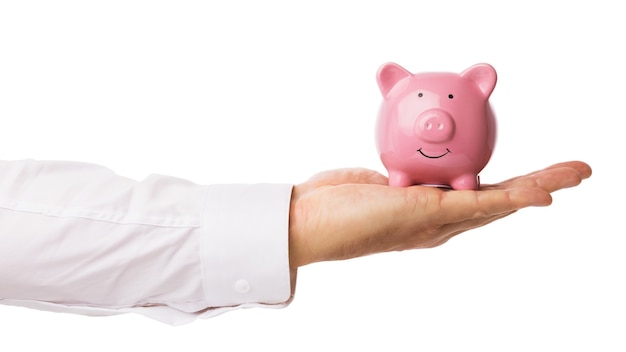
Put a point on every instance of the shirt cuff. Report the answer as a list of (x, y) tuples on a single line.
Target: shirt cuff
[(245, 245)]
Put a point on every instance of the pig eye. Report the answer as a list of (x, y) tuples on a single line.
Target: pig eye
[(420, 94), (450, 96)]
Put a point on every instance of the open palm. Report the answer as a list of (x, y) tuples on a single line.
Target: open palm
[(348, 213)]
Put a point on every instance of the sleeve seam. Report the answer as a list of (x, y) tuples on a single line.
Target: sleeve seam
[(119, 217)]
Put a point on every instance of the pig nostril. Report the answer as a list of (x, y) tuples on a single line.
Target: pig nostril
[(434, 126)]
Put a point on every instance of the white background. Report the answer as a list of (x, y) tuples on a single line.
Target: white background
[(271, 91)]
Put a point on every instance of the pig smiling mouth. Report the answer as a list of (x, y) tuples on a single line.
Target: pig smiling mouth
[(434, 157)]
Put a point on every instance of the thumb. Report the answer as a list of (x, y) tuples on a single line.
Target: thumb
[(347, 176)]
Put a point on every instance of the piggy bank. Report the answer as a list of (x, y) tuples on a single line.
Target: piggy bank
[(436, 128)]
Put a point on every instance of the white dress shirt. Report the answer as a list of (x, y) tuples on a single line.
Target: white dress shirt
[(76, 237)]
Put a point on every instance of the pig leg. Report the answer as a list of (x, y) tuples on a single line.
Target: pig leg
[(466, 181), (399, 179)]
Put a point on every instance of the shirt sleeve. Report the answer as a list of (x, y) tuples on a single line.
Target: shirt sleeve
[(78, 238)]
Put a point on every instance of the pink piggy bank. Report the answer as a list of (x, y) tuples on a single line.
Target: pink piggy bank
[(436, 128)]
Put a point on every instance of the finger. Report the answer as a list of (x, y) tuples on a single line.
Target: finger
[(562, 175), (460, 206), (583, 168), (558, 178), (550, 179), (584, 171)]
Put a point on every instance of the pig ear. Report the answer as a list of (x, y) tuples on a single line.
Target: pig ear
[(484, 76), (388, 75)]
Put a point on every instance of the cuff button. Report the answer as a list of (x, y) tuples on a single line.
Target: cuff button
[(242, 286)]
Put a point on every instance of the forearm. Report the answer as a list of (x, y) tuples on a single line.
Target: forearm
[(77, 236)]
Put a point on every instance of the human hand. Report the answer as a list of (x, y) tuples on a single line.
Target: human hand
[(349, 213)]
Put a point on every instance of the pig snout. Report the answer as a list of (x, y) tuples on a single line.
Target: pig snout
[(435, 126)]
